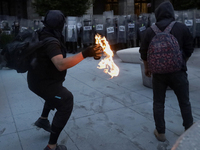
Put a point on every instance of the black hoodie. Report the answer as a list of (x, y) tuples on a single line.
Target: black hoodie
[(45, 78), (164, 16)]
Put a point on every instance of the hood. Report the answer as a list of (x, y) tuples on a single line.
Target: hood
[(54, 22), (54, 19), (164, 14)]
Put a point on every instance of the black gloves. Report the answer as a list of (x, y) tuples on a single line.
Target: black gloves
[(93, 51)]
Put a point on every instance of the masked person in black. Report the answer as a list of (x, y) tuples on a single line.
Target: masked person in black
[(46, 77), (177, 81)]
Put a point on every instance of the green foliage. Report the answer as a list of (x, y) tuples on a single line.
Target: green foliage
[(68, 7), (186, 4)]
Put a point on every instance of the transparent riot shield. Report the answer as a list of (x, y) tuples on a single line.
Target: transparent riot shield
[(188, 17), (110, 30), (141, 27), (79, 27), (131, 30), (5, 27), (99, 24), (152, 19), (41, 25), (71, 32), (121, 29), (24, 24), (108, 14), (36, 24), (197, 28), (11, 20), (88, 34), (197, 23), (145, 19), (16, 27), (179, 16)]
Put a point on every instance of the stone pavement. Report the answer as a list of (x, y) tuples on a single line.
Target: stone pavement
[(108, 114)]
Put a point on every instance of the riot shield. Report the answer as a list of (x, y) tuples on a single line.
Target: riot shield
[(131, 30), (11, 20), (79, 27), (71, 31), (179, 16), (152, 19), (108, 14), (5, 27), (121, 29), (145, 19), (99, 24), (24, 24), (197, 23), (88, 34), (188, 17), (36, 24), (110, 30), (197, 28), (141, 27)]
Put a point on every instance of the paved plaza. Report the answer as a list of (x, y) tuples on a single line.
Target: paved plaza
[(108, 114)]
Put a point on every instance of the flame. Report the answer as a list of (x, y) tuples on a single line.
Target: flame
[(107, 63)]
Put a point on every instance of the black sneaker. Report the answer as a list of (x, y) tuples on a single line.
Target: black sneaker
[(44, 124), (58, 147)]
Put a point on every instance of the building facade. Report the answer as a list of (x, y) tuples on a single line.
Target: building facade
[(23, 8)]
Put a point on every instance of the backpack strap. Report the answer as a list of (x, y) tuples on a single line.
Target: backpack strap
[(169, 27), (50, 39), (155, 29)]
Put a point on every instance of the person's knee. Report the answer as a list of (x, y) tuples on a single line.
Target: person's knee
[(64, 111), (67, 103)]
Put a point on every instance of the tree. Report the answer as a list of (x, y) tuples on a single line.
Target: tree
[(186, 4), (68, 7)]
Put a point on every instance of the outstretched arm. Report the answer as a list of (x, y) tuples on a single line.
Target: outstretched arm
[(66, 63)]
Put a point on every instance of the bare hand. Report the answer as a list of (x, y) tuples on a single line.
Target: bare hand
[(147, 72)]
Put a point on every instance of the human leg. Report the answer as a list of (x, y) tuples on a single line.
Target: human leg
[(43, 121), (63, 103), (159, 90), (181, 89)]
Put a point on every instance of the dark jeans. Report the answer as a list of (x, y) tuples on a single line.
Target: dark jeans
[(178, 82)]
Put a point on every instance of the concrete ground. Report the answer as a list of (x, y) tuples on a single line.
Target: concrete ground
[(108, 114)]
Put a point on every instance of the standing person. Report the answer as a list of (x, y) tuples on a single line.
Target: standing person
[(177, 81), (47, 76)]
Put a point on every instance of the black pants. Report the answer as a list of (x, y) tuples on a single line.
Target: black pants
[(62, 101), (178, 82)]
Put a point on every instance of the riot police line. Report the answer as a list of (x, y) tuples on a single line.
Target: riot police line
[(122, 31)]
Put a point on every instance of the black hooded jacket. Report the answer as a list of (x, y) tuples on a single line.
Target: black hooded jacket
[(164, 16), (45, 77)]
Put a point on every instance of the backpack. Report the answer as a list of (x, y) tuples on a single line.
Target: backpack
[(20, 54), (164, 54)]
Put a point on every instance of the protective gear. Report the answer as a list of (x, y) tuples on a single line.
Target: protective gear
[(92, 51)]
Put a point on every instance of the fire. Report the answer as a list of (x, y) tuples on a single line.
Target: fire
[(107, 63)]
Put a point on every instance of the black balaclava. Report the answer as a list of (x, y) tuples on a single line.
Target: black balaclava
[(54, 22)]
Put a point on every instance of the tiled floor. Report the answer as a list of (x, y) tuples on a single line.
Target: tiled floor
[(108, 114)]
